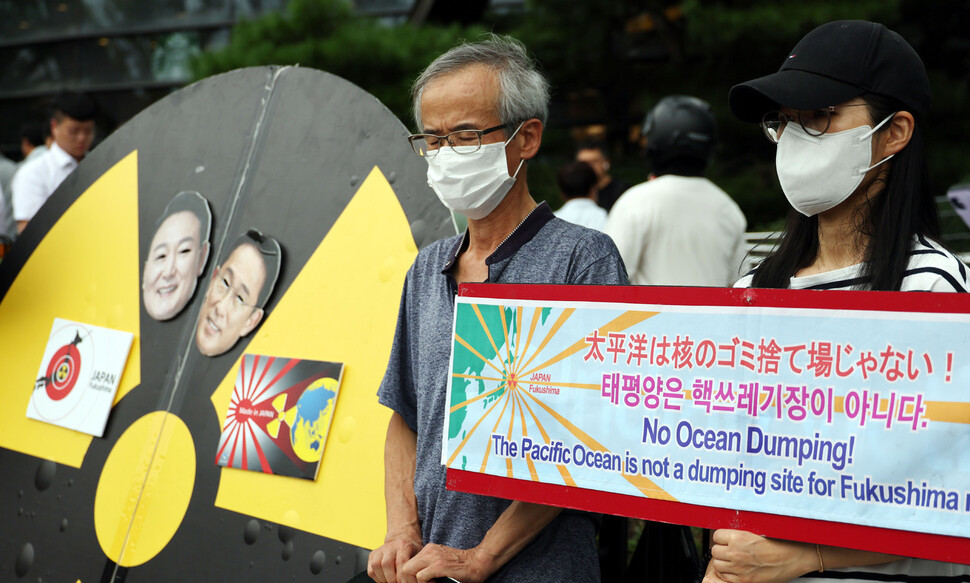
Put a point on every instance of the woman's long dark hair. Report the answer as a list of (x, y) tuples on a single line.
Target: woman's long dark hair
[(904, 208)]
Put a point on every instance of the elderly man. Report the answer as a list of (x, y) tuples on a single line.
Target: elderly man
[(481, 108), (238, 292), (177, 255)]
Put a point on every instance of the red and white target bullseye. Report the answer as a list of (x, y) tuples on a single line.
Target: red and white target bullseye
[(63, 371)]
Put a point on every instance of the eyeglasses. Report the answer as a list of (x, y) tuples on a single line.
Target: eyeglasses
[(461, 141), (815, 122), (269, 250), (224, 285)]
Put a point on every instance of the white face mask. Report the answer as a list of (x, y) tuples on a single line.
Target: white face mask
[(817, 173), (472, 184)]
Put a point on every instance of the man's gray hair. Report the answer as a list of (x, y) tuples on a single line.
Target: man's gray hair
[(523, 90)]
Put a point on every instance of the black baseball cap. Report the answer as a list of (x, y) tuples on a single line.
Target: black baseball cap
[(834, 63)]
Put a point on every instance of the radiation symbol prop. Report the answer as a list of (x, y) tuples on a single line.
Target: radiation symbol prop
[(63, 370), (286, 155)]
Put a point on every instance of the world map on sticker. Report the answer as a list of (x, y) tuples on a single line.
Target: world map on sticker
[(313, 413)]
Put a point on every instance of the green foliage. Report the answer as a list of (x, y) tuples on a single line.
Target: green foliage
[(715, 24), (551, 30), (604, 71), (326, 34)]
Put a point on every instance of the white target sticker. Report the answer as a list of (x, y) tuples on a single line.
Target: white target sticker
[(79, 376)]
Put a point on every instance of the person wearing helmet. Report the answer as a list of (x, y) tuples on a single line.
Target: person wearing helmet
[(678, 227), (845, 111)]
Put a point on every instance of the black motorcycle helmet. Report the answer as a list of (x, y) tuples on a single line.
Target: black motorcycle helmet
[(680, 131)]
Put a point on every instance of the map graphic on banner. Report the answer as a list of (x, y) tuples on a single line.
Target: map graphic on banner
[(79, 376), (835, 415), (280, 415)]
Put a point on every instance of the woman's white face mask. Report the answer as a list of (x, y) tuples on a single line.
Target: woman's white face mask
[(817, 173), (472, 184)]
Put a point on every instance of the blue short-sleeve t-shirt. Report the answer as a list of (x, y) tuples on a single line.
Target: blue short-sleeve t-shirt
[(541, 250)]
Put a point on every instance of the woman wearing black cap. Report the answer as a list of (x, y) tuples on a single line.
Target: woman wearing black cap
[(845, 111)]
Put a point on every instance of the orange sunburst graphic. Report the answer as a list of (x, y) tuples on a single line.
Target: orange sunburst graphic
[(508, 381)]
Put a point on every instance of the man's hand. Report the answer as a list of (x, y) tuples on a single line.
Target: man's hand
[(710, 576), (385, 563), (403, 539), (467, 566)]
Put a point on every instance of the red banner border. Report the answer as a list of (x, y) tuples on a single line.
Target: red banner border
[(900, 542)]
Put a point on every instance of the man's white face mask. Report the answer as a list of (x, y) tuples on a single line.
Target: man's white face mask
[(472, 183), (817, 173)]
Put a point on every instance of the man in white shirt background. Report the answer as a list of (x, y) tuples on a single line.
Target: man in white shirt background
[(679, 228), (72, 130), (577, 186)]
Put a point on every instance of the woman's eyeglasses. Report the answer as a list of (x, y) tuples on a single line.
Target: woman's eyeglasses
[(815, 122)]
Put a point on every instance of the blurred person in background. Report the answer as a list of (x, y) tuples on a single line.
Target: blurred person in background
[(608, 189), (7, 228), (678, 227), (577, 186), (72, 132)]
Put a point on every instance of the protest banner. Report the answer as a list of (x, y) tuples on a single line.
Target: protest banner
[(836, 418)]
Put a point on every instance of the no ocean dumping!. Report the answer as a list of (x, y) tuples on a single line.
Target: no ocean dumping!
[(837, 453), (688, 436)]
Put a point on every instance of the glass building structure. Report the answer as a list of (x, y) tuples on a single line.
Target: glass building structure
[(124, 53)]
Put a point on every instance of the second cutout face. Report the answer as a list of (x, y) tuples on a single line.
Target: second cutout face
[(237, 294)]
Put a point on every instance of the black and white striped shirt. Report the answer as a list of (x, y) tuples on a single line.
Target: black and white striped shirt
[(931, 268), (901, 571)]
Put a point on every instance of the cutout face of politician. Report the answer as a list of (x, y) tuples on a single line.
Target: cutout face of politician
[(176, 259), (230, 309)]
